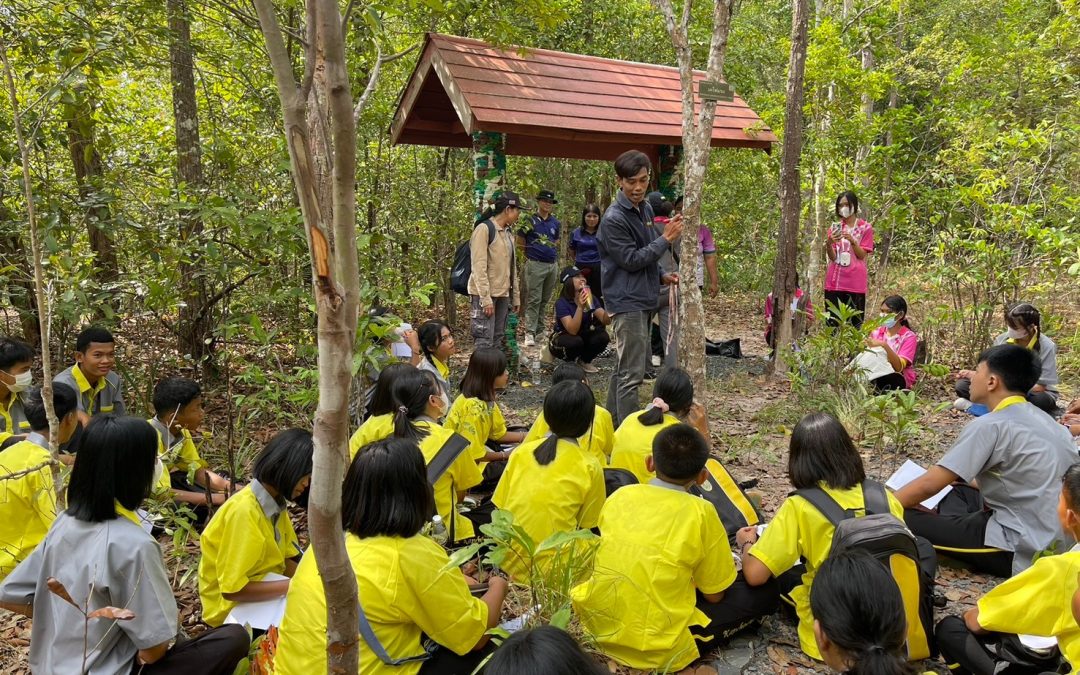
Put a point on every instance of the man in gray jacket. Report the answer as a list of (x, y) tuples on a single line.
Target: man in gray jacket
[(629, 251)]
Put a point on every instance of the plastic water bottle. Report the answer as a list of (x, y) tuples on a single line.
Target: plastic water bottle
[(534, 368), (438, 530)]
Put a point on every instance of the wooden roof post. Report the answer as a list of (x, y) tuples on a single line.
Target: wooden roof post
[(489, 167), (669, 172)]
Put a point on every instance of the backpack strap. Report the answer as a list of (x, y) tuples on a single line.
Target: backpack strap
[(445, 457), (825, 504), (875, 499), (372, 640), (491, 231)]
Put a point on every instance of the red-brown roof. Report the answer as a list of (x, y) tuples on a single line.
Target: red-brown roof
[(553, 104)]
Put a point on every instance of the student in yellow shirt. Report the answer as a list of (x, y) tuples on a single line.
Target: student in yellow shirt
[(673, 402), (859, 624), (475, 414), (420, 401), (664, 577), (821, 454), (16, 359), (1037, 601), (178, 409), (380, 421), (251, 535), (553, 485), (599, 439), (28, 503), (406, 588)]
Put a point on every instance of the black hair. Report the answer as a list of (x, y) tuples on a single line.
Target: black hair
[(679, 452), (897, 303), (851, 198), (14, 351), (386, 491), (661, 205), (590, 208), (567, 372), (115, 463), (676, 388), (822, 450), (1070, 487), (544, 650), (65, 402), (502, 202), (485, 366), (630, 164), (1024, 315), (92, 334), (173, 393), (568, 291), (569, 408), (859, 608), (1018, 367), (284, 462), (411, 393), (382, 399), (430, 336)]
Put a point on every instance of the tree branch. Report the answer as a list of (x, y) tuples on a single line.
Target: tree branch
[(26, 472), (275, 48), (309, 53), (373, 79)]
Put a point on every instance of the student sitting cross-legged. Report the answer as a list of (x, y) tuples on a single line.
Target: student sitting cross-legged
[(1037, 601), (178, 411), (821, 454), (599, 439), (553, 484), (859, 616), (103, 558), (406, 590), (28, 502), (1016, 454), (380, 421), (664, 588), (673, 402), (251, 535)]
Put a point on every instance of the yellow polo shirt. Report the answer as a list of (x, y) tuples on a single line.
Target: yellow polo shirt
[(1038, 601), (565, 495), (799, 530), (405, 588), (374, 428), (13, 418), (462, 475), (633, 443), (242, 543), (177, 454), (658, 544), (598, 440), (478, 421), (27, 503)]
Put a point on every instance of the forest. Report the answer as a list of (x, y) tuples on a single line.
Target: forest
[(150, 185)]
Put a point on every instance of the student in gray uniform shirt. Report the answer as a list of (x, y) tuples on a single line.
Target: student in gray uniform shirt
[(104, 558), (93, 374), (1017, 455)]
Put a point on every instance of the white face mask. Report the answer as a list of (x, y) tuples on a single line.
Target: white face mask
[(1016, 334), (445, 401), (845, 211), (22, 382)]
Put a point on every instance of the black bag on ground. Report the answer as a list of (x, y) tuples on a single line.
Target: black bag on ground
[(461, 270), (736, 511), (730, 348)]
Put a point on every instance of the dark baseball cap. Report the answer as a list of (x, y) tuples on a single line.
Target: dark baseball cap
[(568, 273), (512, 199), (547, 196), (656, 200)]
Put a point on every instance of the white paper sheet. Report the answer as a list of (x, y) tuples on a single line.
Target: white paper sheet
[(909, 472), (262, 614), (1037, 641)]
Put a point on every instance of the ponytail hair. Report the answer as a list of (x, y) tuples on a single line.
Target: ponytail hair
[(568, 408), (1024, 315), (858, 606), (430, 336), (411, 392), (675, 390)]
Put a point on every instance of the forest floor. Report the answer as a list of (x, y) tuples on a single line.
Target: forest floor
[(750, 417)]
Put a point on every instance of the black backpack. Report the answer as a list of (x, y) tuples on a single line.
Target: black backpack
[(461, 270), (888, 539), (736, 511)]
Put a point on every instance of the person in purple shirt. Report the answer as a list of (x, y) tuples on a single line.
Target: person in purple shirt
[(586, 251), (579, 333), (541, 265)]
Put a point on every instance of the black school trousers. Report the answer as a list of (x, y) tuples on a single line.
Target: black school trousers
[(957, 529), (215, 652), (968, 654), (743, 606), (855, 301), (585, 346)]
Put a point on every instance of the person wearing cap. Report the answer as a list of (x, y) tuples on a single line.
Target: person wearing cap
[(492, 291), (579, 333), (629, 253), (541, 266), (669, 268)]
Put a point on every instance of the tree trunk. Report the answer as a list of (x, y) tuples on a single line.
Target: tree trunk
[(790, 195), (697, 144), (79, 117), (21, 288), (863, 155), (194, 327), (336, 283)]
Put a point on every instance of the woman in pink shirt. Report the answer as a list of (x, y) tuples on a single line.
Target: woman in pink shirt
[(895, 336), (847, 244)]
